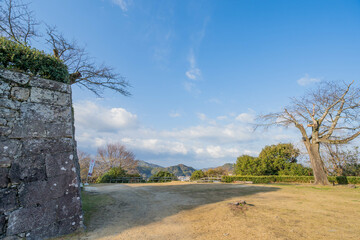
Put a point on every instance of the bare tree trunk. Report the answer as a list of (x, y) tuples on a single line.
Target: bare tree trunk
[(317, 163)]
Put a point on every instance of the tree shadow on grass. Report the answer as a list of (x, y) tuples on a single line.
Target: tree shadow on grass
[(140, 205)]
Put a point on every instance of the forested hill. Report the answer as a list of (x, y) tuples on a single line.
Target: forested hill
[(146, 169), (180, 170), (229, 167)]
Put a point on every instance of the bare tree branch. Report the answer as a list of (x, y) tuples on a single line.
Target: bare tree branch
[(17, 22), (83, 69)]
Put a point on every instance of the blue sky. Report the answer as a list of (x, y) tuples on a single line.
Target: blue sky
[(202, 70)]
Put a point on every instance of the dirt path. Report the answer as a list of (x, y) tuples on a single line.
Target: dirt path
[(202, 211)]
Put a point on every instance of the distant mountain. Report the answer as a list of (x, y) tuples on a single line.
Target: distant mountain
[(146, 169), (230, 167), (180, 170), (227, 166), (146, 164)]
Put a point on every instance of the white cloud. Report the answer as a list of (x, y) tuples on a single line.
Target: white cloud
[(246, 117), (157, 146), (306, 80), (193, 72), (123, 4), (221, 118), (93, 116)]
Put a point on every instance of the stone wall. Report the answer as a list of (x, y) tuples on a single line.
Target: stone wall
[(39, 180)]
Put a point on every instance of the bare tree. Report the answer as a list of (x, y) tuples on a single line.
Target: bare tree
[(330, 114), (84, 71), (338, 158), (116, 155), (18, 23), (84, 162)]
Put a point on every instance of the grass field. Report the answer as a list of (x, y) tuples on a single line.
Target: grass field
[(202, 211)]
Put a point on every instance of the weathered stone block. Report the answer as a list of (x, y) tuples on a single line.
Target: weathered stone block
[(59, 164), (34, 194), (41, 192), (45, 96), (4, 177), (20, 94), (15, 76), (69, 225), (2, 224), (68, 206), (3, 122), (9, 147), (62, 227), (59, 130), (8, 103), (45, 112), (28, 169), (13, 238), (8, 200), (5, 130), (5, 162), (44, 232), (29, 129), (45, 146), (8, 113), (51, 85), (40, 129), (4, 88), (67, 183), (26, 219)]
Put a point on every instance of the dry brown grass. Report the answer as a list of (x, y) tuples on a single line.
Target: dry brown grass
[(202, 211)]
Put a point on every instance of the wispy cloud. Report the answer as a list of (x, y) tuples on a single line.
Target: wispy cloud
[(306, 80), (191, 88), (193, 72), (174, 114), (123, 4), (221, 118), (201, 116), (246, 117), (214, 100)]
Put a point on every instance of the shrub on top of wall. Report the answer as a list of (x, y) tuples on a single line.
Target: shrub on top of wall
[(15, 56), (289, 179)]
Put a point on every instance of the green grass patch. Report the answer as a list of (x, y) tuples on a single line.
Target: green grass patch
[(93, 202)]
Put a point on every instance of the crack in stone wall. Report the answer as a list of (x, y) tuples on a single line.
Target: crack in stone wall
[(39, 170)]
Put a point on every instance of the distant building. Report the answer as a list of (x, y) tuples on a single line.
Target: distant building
[(184, 178)]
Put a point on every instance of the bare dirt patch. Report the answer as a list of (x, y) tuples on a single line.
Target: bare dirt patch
[(204, 211)]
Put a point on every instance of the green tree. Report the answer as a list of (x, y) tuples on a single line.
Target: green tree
[(113, 173), (276, 157), (248, 165), (280, 159), (197, 175), (295, 169), (161, 175)]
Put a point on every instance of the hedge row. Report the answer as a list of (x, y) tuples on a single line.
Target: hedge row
[(32, 61), (289, 179)]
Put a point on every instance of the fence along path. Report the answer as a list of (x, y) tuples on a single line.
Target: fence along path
[(140, 179)]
